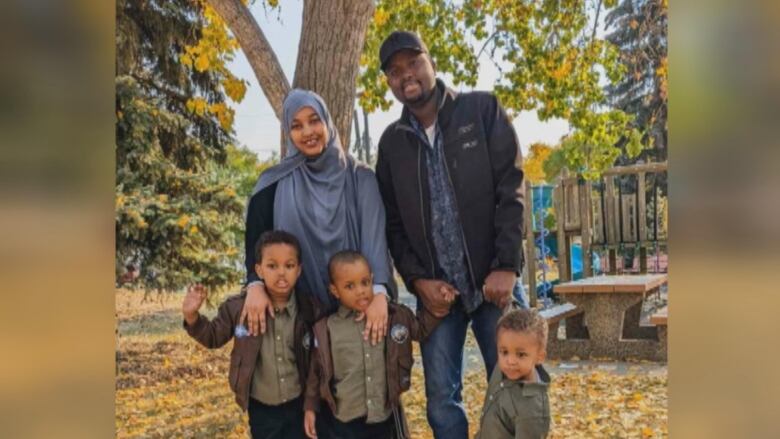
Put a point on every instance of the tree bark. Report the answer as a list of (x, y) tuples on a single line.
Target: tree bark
[(332, 37), (258, 52)]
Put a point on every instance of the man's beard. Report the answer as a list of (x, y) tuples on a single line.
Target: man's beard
[(422, 98)]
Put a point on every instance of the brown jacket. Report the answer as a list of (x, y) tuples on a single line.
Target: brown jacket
[(398, 354), (243, 358)]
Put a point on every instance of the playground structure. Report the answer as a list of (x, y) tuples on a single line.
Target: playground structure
[(620, 214)]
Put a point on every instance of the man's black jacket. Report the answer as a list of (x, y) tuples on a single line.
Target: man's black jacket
[(483, 161)]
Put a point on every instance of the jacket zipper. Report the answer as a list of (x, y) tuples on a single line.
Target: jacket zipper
[(422, 208), (462, 235)]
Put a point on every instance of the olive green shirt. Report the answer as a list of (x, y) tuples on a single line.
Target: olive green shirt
[(275, 380), (515, 409), (358, 370)]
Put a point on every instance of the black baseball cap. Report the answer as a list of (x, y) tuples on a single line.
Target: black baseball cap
[(399, 40)]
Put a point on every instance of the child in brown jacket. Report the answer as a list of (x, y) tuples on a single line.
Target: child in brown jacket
[(267, 372), (360, 383)]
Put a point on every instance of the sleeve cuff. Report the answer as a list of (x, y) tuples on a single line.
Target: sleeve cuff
[(380, 289), (312, 404), (194, 329)]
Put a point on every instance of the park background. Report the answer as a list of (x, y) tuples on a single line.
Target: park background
[(584, 81)]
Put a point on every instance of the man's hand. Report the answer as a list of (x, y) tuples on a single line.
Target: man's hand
[(309, 419), (499, 286), (376, 319), (437, 295), (256, 305), (193, 300)]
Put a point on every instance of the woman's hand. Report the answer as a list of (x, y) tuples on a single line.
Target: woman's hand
[(256, 305), (309, 419), (376, 319)]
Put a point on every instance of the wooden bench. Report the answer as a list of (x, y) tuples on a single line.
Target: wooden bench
[(608, 325), (660, 316)]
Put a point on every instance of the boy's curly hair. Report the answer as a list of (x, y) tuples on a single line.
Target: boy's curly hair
[(272, 237), (524, 320)]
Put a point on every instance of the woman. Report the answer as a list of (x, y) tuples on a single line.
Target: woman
[(329, 202)]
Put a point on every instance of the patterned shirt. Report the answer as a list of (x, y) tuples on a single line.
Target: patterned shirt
[(447, 233)]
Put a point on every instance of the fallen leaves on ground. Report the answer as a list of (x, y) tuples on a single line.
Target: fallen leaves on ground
[(168, 386)]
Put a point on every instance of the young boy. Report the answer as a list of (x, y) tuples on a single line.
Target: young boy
[(516, 404), (267, 372), (360, 383)]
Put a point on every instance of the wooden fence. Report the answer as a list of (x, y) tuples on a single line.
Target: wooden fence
[(620, 211)]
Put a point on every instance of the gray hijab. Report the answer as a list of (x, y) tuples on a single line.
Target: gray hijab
[(330, 203)]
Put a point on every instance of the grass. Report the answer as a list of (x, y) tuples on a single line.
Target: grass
[(168, 386)]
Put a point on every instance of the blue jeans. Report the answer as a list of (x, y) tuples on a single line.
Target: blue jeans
[(442, 355)]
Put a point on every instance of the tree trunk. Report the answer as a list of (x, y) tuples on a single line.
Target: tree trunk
[(332, 37), (258, 52)]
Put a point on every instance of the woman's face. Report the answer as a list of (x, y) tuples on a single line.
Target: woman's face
[(308, 132)]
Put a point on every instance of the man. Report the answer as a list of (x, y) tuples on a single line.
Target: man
[(450, 179)]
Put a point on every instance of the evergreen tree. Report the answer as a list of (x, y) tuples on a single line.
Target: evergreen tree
[(177, 215), (639, 29)]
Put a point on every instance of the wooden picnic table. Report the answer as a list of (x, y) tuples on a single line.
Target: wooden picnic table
[(608, 325)]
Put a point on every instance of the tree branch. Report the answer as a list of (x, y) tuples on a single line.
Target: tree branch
[(258, 51)]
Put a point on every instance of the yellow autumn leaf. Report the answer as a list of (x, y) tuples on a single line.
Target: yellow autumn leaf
[(183, 221), (186, 59), (235, 89), (661, 71), (217, 108), (224, 115), (140, 222), (380, 17), (193, 230), (562, 71), (533, 165), (202, 63), (197, 105)]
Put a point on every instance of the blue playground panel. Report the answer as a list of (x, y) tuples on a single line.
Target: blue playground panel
[(547, 242)]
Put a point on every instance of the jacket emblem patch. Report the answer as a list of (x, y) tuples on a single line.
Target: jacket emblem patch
[(465, 129), (399, 333), (470, 144), (240, 331), (306, 341)]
